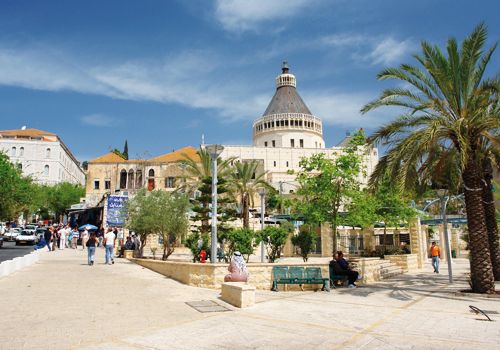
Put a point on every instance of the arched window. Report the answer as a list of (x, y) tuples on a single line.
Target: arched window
[(46, 170), (151, 180), (130, 179), (138, 179), (123, 179), (13, 152), (21, 151), (47, 153)]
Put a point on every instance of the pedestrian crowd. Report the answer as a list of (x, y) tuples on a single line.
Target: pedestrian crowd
[(63, 236)]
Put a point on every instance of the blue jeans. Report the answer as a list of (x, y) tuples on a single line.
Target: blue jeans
[(435, 263), (109, 253), (91, 251)]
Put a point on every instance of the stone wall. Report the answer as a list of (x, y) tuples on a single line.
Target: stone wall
[(369, 268), (212, 275), (408, 262)]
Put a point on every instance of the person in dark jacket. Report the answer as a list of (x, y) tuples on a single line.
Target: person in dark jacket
[(47, 236), (341, 267)]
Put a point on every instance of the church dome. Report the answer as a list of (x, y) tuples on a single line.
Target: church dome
[(287, 121)]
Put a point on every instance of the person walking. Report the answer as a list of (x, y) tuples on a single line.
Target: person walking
[(85, 237), (62, 237), (48, 237), (109, 243), (91, 244), (55, 238), (74, 237), (435, 255)]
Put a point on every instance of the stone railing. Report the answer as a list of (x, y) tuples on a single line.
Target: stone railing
[(408, 262)]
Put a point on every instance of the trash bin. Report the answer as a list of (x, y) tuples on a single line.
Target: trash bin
[(453, 253)]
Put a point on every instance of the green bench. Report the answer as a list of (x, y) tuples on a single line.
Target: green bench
[(298, 275)]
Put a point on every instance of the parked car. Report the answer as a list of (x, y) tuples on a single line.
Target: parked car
[(26, 237), (30, 228), (40, 233), (12, 234), (1, 241)]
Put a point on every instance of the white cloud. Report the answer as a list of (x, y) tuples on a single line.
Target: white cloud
[(242, 15), (343, 109), (385, 50), (98, 120), (389, 51), (343, 39), (44, 69), (194, 79)]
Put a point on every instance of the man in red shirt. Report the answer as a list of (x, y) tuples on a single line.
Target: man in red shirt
[(435, 255)]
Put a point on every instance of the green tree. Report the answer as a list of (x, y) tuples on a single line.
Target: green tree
[(61, 196), (17, 192), (239, 239), (170, 217), (391, 208), (141, 218), (446, 104), (199, 180), (305, 240), (125, 150), (275, 238), (326, 184), (244, 182)]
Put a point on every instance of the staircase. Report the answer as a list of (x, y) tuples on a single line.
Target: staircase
[(389, 269)]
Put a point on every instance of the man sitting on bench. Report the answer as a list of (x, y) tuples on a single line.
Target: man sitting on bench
[(341, 267)]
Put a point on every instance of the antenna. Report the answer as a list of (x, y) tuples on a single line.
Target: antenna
[(202, 139)]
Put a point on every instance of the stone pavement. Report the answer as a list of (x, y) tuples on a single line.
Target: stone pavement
[(61, 303)]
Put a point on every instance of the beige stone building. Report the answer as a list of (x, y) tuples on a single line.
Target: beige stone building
[(111, 174)]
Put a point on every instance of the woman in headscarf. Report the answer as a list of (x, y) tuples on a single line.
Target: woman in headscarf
[(238, 269)]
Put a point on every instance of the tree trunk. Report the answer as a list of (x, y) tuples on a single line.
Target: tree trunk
[(143, 239), (245, 211), (385, 238), (482, 279), (491, 220)]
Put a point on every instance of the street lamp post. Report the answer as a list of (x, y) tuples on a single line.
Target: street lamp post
[(444, 203), (262, 193), (214, 151)]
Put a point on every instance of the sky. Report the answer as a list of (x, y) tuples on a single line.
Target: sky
[(161, 74)]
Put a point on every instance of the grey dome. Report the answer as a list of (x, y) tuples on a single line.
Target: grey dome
[(286, 100)]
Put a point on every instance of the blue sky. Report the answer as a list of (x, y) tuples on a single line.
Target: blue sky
[(162, 73)]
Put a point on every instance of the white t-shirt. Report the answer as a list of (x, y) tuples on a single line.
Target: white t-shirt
[(62, 233), (110, 238), (85, 234)]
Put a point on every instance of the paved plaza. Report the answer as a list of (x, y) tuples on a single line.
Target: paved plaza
[(61, 303)]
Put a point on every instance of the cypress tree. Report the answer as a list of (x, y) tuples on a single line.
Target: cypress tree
[(125, 150)]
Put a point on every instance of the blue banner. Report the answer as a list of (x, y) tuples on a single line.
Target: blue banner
[(116, 214)]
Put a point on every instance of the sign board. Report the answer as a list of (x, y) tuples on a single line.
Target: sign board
[(116, 215)]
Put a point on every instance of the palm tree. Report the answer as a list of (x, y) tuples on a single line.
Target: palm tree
[(446, 104), (199, 177), (245, 181)]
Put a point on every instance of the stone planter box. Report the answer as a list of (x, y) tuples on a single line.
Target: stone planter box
[(408, 262), (212, 275), (128, 254)]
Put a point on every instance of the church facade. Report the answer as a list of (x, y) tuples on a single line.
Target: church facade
[(287, 132)]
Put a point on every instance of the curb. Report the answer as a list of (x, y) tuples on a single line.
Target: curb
[(10, 266)]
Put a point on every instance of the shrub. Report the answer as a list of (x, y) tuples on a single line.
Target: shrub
[(305, 240), (275, 238), (239, 239), (193, 245)]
